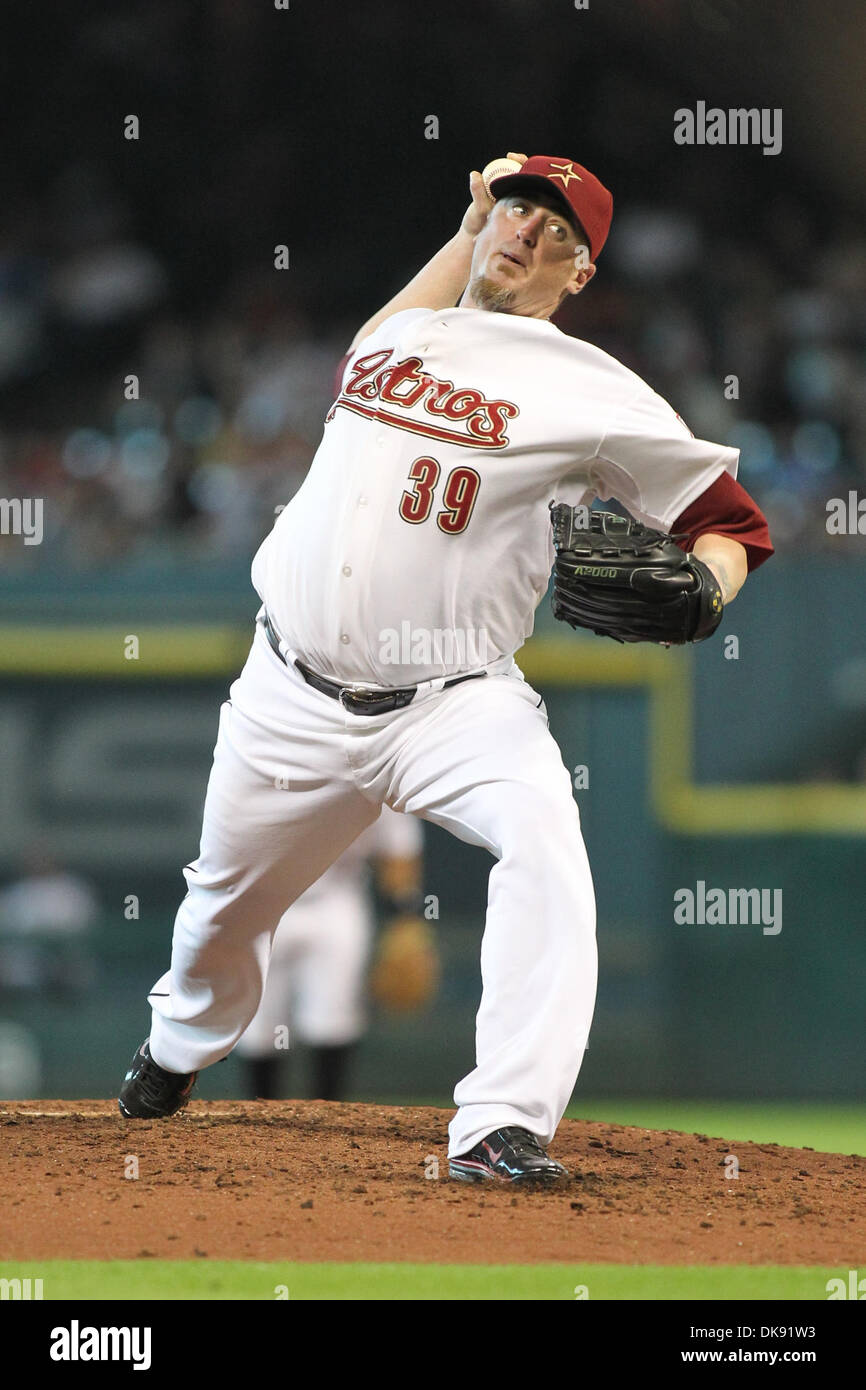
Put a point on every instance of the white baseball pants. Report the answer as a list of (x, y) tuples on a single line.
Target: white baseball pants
[(296, 778)]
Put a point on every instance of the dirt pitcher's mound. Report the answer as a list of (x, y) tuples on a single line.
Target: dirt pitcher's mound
[(317, 1181)]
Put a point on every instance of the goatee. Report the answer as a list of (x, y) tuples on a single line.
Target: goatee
[(486, 294)]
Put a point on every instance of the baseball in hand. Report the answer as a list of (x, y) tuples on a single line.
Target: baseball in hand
[(497, 168)]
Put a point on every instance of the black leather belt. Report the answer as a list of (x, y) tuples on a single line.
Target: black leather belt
[(357, 701)]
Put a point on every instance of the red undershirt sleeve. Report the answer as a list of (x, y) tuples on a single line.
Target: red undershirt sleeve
[(726, 509)]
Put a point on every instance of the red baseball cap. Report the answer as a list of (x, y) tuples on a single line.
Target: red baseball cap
[(584, 196)]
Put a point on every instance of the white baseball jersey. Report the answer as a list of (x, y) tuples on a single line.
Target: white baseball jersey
[(419, 544)]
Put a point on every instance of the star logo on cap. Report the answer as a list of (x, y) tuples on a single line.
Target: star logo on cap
[(567, 174)]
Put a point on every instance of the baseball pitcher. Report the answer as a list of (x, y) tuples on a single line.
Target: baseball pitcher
[(396, 588)]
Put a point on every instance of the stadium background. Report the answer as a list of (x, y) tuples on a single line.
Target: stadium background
[(155, 257)]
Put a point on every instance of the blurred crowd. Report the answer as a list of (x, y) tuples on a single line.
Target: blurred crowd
[(163, 386), (757, 336), (165, 435), (169, 435)]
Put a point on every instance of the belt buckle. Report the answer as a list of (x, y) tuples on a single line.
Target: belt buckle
[(362, 694)]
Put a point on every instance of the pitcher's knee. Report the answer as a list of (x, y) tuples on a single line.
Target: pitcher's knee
[(540, 822), (544, 866)]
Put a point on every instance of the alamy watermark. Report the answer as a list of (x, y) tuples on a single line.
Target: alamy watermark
[(854, 1287), (453, 647), (22, 516), (21, 1289), (77, 1343), (720, 907), (737, 126), (846, 516)]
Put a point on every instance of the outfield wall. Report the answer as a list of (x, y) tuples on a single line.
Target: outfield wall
[(691, 768)]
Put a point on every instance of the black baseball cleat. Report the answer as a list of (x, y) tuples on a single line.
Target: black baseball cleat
[(512, 1155), (149, 1092)]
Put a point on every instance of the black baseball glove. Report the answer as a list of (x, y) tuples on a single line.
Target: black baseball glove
[(624, 580)]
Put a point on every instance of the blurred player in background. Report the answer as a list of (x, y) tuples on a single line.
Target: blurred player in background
[(317, 978), (46, 916)]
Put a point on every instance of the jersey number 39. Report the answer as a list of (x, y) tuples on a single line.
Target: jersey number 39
[(458, 496)]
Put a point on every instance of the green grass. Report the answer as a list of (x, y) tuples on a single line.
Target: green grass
[(237, 1279), (828, 1127)]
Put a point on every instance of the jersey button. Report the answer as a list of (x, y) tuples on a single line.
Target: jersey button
[(344, 638), (362, 501), (347, 570)]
